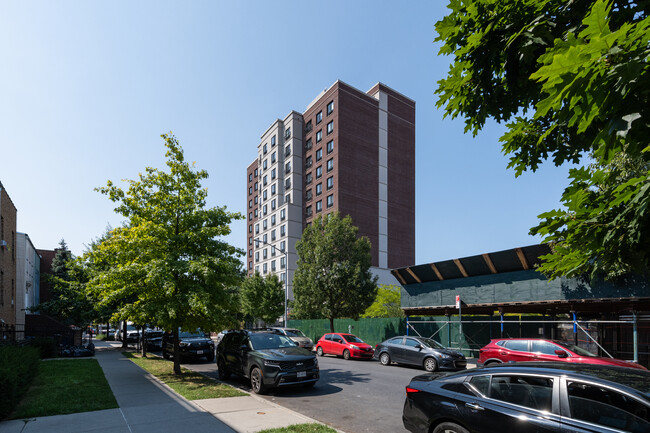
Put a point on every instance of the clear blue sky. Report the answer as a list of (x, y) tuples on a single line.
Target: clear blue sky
[(86, 88)]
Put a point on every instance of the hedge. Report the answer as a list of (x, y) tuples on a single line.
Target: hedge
[(18, 367)]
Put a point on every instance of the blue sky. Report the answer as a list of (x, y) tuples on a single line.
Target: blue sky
[(86, 89)]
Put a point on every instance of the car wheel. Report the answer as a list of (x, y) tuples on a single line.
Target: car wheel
[(256, 381), (384, 358), (430, 364), (346, 354), (492, 363), (221, 369), (449, 427), (210, 356), (165, 354), (319, 350)]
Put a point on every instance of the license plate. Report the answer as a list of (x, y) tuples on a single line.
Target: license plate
[(302, 374), (199, 352)]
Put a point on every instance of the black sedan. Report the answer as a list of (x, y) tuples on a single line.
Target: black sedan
[(190, 345), (420, 351), (530, 397)]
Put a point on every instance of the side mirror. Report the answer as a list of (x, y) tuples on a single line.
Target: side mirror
[(418, 346), (561, 353)]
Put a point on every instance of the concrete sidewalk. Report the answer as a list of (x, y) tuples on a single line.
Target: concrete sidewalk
[(146, 406)]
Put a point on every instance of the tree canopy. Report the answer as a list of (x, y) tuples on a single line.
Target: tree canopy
[(387, 303), (167, 266), (263, 297), (333, 278), (571, 80)]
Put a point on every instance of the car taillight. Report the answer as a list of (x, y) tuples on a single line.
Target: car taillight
[(410, 390)]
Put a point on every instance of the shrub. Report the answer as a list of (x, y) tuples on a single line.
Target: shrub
[(46, 346), (18, 367)]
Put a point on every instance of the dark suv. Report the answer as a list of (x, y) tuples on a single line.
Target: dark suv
[(190, 345), (268, 358)]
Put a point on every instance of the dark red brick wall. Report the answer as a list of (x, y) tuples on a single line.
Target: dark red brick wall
[(250, 174)]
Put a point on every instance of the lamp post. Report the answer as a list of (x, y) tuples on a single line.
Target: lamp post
[(286, 273)]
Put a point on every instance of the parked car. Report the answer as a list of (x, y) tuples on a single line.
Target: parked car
[(345, 345), (424, 352), (190, 345), (297, 336), (154, 338), (530, 397), (539, 349), (267, 358), (132, 332)]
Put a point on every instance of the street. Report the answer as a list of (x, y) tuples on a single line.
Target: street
[(353, 396)]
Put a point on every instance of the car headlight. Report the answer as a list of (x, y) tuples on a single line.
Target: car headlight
[(315, 361), (444, 356), (354, 347), (271, 363), (183, 344)]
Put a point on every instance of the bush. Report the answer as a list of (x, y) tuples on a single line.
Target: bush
[(46, 346), (18, 367)]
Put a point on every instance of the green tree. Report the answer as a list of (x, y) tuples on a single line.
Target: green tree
[(263, 298), (387, 303), (571, 79), (168, 259), (333, 277)]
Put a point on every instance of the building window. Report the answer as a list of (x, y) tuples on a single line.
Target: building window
[(308, 211), (273, 174), (283, 230), (250, 215), (250, 177), (273, 237), (287, 184), (272, 251), (273, 157), (250, 253), (255, 186), (308, 179), (319, 189), (273, 139), (330, 127), (319, 205), (264, 195), (287, 198), (273, 265), (330, 108), (319, 154), (265, 268), (250, 190), (265, 238), (264, 165), (308, 162), (330, 200), (265, 210), (273, 204), (308, 144), (287, 134), (250, 204), (257, 228), (250, 266), (319, 171), (255, 199), (250, 241), (282, 214), (273, 189), (287, 167), (287, 150), (272, 220), (283, 277), (330, 146), (255, 213), (282, 244), (256, 173), (264, 180), (257, 268), (308, 195), (330, 182), (319, 117), (308, 126), (319, 136), (265, 149), (283, 263), (257, 256), (330, 164), (250, 228), (264, 224)]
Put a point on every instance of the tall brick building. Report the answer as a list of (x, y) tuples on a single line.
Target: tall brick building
[(349, 151), (7, 258)]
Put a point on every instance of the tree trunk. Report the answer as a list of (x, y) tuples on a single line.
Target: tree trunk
[(331, 324), (177, 355), (125, 343), (144, 343)]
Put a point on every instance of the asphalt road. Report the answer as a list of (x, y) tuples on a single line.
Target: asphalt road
[(353, 396)]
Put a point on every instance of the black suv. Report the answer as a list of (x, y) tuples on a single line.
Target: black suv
[(268, 358), (190, 345)]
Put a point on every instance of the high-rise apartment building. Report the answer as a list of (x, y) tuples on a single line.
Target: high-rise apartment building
[(349, 151)]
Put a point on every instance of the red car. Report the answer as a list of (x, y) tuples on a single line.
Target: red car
[(539, 349), (346, 345)]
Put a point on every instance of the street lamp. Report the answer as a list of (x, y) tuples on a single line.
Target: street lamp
[(286, 272)]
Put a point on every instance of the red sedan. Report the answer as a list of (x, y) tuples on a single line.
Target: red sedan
[(538, 349), (345, 345)]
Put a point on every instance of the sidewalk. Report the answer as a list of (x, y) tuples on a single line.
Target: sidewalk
[(147, 406)]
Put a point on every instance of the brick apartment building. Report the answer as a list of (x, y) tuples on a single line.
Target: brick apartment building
[(7, 258), (350, 151)]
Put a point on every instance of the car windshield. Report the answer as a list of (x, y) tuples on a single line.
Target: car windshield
[(433, 344), (575, 349), (352, 338), (294, 333), (270, 341), (131, 328), (195, 334)]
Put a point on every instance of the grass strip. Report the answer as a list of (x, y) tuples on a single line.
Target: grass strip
[(191, 385), (301, 428), (66, 386)]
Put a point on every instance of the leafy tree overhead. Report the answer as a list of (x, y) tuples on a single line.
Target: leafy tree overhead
[(571, 79), (263, 297), (168, 258), (333, 278), (387, 303)]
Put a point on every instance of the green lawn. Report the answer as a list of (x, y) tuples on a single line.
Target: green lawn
[(66, 386), (301, 428), (191, 385)]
